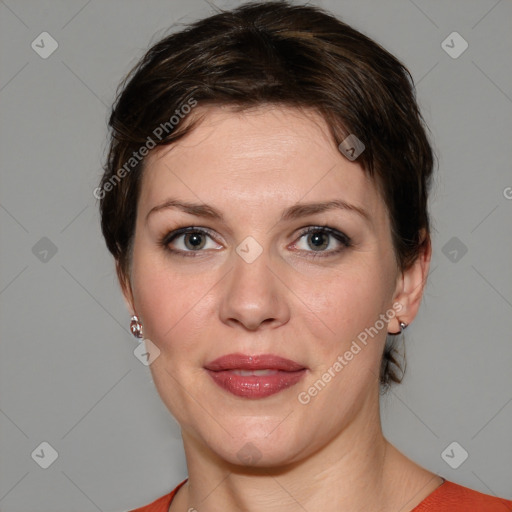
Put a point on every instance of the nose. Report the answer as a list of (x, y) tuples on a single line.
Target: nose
[(254, 295)]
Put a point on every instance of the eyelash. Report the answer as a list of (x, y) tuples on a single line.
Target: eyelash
[(338, 235)]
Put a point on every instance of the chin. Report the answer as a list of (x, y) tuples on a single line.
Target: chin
[(258, 443), (256, 454)]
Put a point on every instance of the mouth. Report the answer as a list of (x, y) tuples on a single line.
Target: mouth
[(255, 376)]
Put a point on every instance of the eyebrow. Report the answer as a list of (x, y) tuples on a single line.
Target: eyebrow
[(293, 212)]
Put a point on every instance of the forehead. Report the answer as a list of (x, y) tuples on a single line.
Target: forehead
[(254, 158)]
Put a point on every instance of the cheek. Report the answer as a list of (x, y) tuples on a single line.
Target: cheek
[(347, 301), (350, 304), (171, 305)]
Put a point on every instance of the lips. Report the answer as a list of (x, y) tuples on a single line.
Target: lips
[(255, 376), (257, 362)]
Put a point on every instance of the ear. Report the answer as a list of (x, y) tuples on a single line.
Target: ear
[(126, 288), (410, 286)]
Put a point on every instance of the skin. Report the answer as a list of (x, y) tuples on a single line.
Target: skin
[(331, 451)]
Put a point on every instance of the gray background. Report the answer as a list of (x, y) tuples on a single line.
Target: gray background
[(68, 375)]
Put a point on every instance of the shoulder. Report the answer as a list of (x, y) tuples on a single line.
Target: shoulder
[(161, 504), (452, 497)]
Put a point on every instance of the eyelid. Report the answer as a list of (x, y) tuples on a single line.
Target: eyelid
[(171, 235), (338, 235), (175, 233), (330, 231)]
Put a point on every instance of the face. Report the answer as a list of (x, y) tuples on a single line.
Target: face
[(265, 276)]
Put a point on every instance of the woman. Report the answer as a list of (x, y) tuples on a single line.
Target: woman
[(265, 200)]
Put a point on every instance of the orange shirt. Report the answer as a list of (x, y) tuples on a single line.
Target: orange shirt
[(448, 497)]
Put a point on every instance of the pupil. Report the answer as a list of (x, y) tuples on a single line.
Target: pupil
[(318, 237), (195, 239)]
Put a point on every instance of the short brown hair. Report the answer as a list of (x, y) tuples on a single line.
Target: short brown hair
[(275, 53)]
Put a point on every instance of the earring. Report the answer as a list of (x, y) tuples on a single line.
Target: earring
[(136, 327), (403, 325)]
